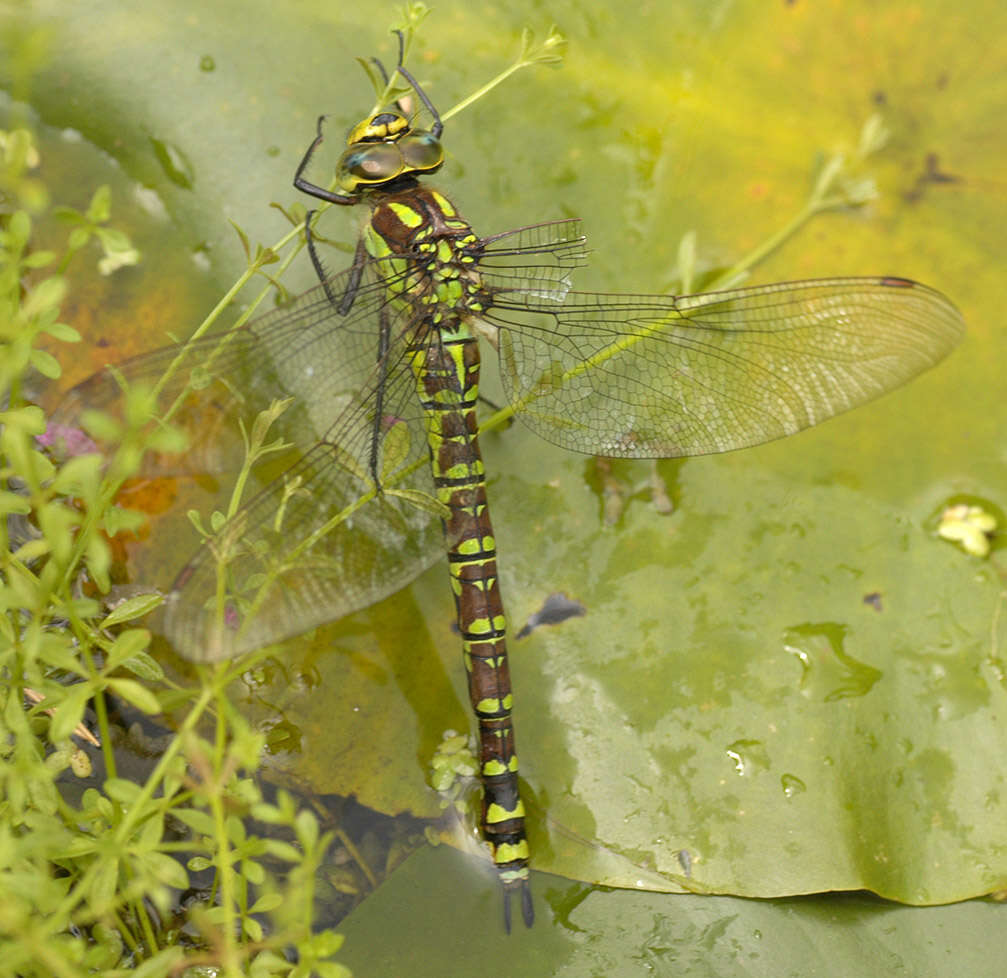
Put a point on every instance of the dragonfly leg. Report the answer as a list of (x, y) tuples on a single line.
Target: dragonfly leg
[(353, 282), (316, 261), (377, 428), (438, 127), (312, 189), (356, 270)]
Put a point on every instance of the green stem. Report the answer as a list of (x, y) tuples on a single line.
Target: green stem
[(766, 248), (483, 90), (225, 875)]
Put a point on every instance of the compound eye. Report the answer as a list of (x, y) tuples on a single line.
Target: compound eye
[(369, 163), (421, 151)]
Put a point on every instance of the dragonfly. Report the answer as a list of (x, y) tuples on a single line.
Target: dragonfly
[(381, 472)]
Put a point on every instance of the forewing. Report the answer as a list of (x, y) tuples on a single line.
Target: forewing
[(662, 377)]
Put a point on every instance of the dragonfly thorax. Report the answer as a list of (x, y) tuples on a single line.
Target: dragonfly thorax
[(384, 148), (419, 233)]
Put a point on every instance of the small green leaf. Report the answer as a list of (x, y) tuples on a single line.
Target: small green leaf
[(326, 943), (39, 259), (113, 240), (79, 476), (165, 869), (45, 364), (243, 238), (63, 333), (118, 520), (268, 963), (306, 827), (18, 230), (46, 295), (152, 831), (78, 237), (68, 713), (252, 928), (79, 608), (32, 550), (131, 608), (126, 646), (332, 969), (197, 521), (252, 871), (197, 819), (100, 208), (103, 885), (267, 902), (279, 849), (123, 791), (166, 962), (132, 691), (144, 667), (12, 503), (29, 419), (101, 426), (235, 831), (169, 440), (98, 559), (421, 500)]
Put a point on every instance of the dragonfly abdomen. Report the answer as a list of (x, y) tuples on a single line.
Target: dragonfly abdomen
[(446, 369)]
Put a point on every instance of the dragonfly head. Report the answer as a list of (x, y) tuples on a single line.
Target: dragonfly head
[(383, 148)]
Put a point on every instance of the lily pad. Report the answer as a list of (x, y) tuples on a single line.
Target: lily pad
[(441, 928)]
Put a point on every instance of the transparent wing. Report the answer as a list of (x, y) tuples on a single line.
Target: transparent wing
[(316, 541), (320, 541), (662, 377), (305, 350), (533, 261)]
